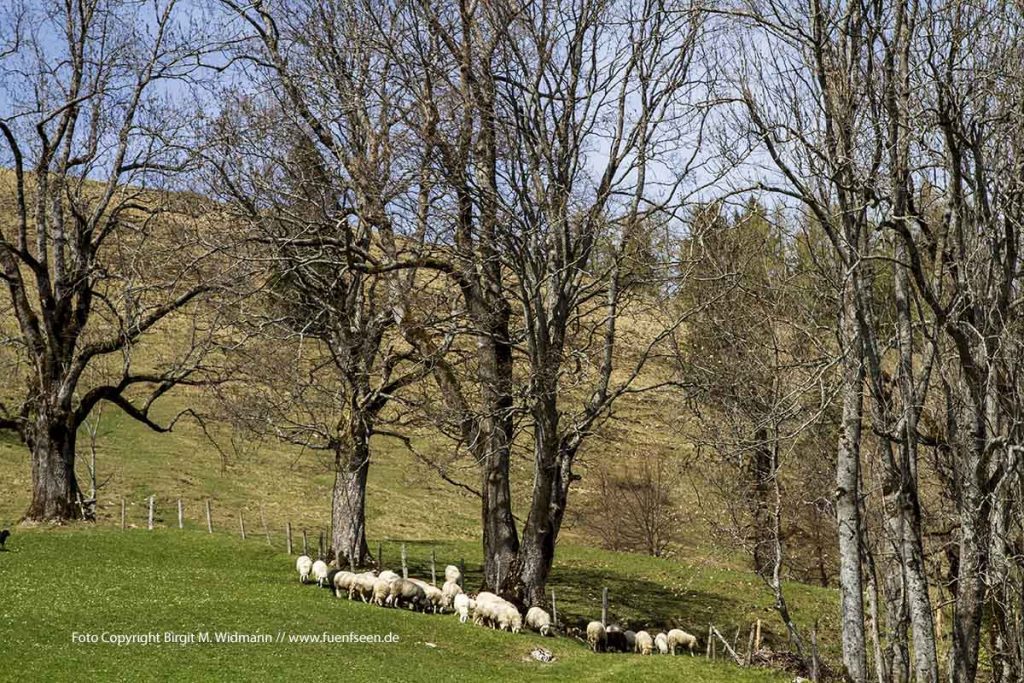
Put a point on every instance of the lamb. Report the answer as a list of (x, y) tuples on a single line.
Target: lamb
[(678, 638), (362, 585), (304, 565), (631, 640), (406, 593), (343, 582), (448, 593), (596, 636), (320, 572), (485, 613), (661, 642), (464, 606), (644, 643), (452, 574), (539, 620), (615, 639)]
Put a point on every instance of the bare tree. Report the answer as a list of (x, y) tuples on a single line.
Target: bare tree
[(95, 257), (324, 179)]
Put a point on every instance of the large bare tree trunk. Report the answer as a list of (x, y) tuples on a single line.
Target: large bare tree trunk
[(348, 500), (55, 492)]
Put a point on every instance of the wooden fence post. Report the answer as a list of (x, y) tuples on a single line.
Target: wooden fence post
[(181, 514), (462, 571), (320, 546), (151, 513), (241, 524), (288, 536), (380, 555), (123, 516), (209, 517), (305, 544), (263, 521), (433, 568), (405, 567), (711, 645), (757, 636), (604, 606), (554, 610)]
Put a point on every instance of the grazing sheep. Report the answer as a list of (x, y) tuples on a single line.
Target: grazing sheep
[(448, 593), (343, 583), (4, 535), (362, 585), (382, 589), (597, 637), (497, 612), (464, 606), (452, 574), (615, 639), (678, 638), (661, 642), (644, 643), (509, 618), (389, 575), (304, 565), (631, 640), (405, 593), (539, 620), (320, 572), (434, 595)]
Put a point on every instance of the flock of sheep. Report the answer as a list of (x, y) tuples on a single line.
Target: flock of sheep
[(388, 589)]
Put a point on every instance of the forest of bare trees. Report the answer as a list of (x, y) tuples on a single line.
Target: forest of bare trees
[(503, 222)]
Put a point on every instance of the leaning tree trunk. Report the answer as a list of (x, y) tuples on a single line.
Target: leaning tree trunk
[(547, 510), (55, 492), (348, 504)]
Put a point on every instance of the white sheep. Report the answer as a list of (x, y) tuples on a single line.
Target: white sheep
[(630, 640), (389, 575), (320, 570), (661, 642), (465, 607), (362, 585), (406, 593), (497, 612), (539, 620), (644, 643), (452, 574), (304, 565), (448, 593), (678, 638), (596, 636), (382, 588), (343, 582), (433, 593)]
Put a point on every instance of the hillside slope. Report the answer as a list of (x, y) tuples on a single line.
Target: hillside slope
[(59, 583)]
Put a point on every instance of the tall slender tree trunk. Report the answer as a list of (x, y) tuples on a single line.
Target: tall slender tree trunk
[(55, 491), (348, 500), (500, 537), (848, 516)]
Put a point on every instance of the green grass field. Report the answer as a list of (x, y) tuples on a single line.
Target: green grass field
[(57, 583)]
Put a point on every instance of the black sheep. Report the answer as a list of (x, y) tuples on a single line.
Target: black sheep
[(616, 639), (4, 535)]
